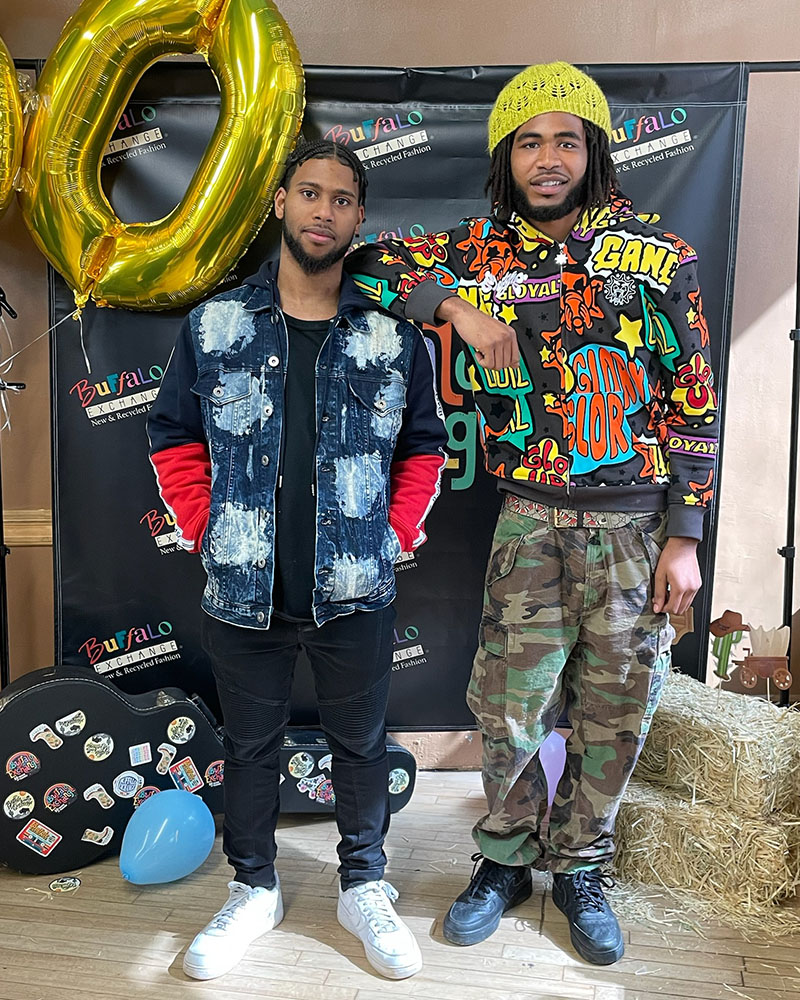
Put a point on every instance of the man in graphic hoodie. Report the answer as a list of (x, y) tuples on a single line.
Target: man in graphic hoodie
[(589, 362), (298, 441)]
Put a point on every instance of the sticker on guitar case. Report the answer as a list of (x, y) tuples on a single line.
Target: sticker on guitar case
[(167, 751), (181, 730), (98, 747), (38, 837), (185, 775), (99, 793), (44, 732), (144, 794), (215, 773), (127, 784), (140, 754), (100, 837), (398, 780), (18, 805), (325, 792), (301, 764), (72, 724), (22, 764), (310, 785), (58, 797)]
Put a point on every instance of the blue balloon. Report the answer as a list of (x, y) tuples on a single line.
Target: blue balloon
[(170, 835)]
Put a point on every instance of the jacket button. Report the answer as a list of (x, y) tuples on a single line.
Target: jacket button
[(260, 616), (380, 405), (268, 410), (262, 563), (273, 360), (265, 459), (325, 418), (217, 390)]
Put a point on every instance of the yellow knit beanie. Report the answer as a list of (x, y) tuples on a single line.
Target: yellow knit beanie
[(556, 86)]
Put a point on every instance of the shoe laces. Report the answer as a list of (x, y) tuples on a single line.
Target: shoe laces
[(240, 895), (589, 885), (488, 876), (374, 900)]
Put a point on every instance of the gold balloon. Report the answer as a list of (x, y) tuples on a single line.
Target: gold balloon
[(84, 88), (10, 127)]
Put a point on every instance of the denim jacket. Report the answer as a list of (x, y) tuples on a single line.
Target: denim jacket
[(216, 442)]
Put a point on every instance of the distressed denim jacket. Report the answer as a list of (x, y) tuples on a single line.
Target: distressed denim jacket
[(224, 386)]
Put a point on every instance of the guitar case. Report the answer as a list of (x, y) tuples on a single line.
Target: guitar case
[(78, 756)]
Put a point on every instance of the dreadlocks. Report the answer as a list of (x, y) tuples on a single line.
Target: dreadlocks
[(325, 149), (600, 179)]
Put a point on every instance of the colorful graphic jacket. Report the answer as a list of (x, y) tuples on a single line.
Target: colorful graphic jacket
[(613, 406), (216, 433)]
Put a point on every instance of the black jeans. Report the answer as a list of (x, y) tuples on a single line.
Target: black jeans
[(351, 659)]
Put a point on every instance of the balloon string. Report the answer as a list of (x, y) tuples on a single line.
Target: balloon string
[(7, 361), (5, 366), (83, 346)]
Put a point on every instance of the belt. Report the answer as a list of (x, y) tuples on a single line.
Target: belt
[(561, 517)]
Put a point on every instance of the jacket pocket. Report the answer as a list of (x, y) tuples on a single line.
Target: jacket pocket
[(380, 403), (226, 401)]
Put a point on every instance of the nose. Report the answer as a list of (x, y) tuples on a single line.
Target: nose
[(549, 156), (324, 210)]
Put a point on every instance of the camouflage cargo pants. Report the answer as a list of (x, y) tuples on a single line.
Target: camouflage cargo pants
[(567, 622)]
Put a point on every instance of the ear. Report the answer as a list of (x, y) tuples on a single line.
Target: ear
[(280, 202), (360, 218)]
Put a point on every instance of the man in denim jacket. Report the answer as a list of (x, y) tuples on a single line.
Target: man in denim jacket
[(298, 441)]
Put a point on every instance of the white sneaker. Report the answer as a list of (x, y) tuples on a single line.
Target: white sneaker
[(221, 944), (366, 910)]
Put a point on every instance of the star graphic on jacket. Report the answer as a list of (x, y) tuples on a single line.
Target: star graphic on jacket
[(508, 314), (497, 408), (676, 296), (630, 333)]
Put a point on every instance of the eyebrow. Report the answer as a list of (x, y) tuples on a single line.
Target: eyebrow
[(538, 135), (318, 187)]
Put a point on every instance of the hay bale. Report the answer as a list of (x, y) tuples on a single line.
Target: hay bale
[(737, 862), (723, 748)]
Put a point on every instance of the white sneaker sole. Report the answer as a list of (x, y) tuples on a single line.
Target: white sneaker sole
[(203, 970), (378, 961)]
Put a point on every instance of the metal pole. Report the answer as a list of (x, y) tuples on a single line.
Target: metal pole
[(788, 550), (5, 660)]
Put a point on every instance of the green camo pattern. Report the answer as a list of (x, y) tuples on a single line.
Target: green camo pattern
[(567, 621)]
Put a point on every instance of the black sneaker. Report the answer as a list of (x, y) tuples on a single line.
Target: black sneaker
[(492, 890), (593, 928)]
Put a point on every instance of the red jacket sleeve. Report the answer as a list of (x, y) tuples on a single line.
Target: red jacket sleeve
[(415, 484), (183, 474)]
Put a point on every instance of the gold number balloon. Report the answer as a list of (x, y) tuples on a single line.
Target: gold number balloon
[(84, 88), (10, 127)]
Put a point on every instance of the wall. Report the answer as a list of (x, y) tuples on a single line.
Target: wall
[(749, 575)]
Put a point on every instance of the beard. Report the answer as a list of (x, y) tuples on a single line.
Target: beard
[(308, 263), (576, 198)]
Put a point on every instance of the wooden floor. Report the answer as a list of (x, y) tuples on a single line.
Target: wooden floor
[(110, 939)]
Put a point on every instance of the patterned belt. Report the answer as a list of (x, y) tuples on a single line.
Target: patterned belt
[(560, 517)]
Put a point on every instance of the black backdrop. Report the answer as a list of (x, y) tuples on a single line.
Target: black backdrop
[(126, 600)]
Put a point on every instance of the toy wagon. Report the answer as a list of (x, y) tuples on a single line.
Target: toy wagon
[(775, 668)]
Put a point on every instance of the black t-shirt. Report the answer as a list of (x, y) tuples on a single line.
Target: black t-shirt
[(296, 516)]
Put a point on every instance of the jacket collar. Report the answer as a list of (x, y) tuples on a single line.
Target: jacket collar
[(592, 219), (263, 288)]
